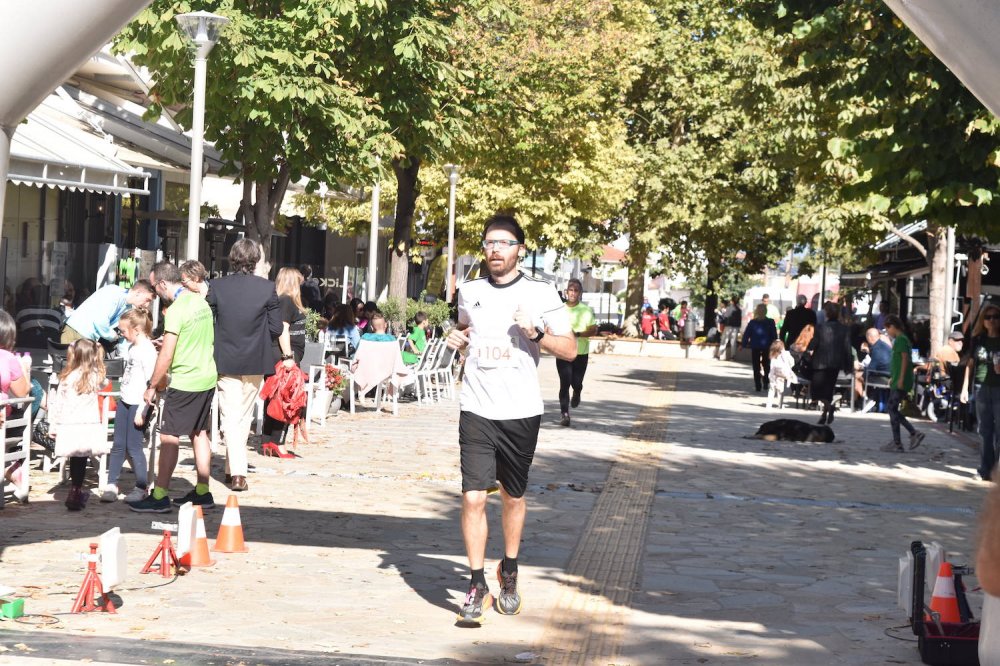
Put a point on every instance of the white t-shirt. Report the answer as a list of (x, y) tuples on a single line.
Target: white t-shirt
[(501, 370), (140, 359)]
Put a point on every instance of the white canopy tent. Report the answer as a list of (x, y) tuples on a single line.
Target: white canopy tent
[(56, 147), (44, 42), (963, 35)]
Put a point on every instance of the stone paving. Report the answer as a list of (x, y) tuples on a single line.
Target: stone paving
[(751, 552)]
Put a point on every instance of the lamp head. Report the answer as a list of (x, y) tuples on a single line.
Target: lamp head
[(203, 29), (452, 171)]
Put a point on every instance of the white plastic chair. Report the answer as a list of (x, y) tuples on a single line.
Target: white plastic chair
[(426, 371), (315, 385), (445, 372), (398, 375), (22, 450)]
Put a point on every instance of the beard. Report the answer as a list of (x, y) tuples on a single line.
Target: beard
[(500, 266)]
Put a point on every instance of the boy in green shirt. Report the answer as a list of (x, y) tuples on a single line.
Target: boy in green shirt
[(900, 385), (416, 342)]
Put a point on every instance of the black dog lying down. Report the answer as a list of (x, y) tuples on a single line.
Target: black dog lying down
[(793, 431)]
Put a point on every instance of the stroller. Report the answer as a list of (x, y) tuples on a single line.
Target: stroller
[(934, 393)]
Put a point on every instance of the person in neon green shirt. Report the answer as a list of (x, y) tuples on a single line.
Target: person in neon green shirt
[(571, 373), (900, 385)]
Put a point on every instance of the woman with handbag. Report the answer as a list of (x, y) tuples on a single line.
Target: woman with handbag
[(828, 353), (75, 417)]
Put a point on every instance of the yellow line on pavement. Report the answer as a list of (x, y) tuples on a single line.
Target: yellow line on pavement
[(588, 622)]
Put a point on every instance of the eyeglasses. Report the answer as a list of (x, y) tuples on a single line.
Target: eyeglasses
[(499, 243)]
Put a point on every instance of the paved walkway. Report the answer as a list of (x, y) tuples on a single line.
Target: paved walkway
[(655, 534)]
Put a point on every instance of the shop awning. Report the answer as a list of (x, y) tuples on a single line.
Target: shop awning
[(887, 270), (54, 148)]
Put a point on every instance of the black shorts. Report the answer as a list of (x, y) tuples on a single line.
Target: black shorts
[(185, 412), (496, 451)]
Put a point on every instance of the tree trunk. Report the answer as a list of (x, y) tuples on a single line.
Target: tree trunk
[(268, 193), (635, 291), (407, 191), (711, 296), (937, 258)]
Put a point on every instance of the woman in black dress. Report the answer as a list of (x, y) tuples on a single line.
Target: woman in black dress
[(289, 347), (830, 353)]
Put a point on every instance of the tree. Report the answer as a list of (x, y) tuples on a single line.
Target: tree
[(701, 122), (545, 83), (405, 61), (314, 88), (894, 134), (550, 140)]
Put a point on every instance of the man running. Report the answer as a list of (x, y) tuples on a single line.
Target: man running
[(504, 321)]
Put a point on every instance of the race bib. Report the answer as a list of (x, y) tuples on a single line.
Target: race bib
[(495, 352)]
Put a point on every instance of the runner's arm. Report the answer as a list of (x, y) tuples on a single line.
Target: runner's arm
[(561, 346), (159, 379)]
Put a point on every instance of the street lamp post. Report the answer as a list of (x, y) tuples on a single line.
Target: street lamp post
[(452, 171), (373, 242), (203, 29)]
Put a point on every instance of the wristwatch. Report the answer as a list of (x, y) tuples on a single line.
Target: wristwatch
[(287, 357), (541, 334)]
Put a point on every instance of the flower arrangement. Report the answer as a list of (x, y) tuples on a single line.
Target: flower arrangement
[(336, 380)]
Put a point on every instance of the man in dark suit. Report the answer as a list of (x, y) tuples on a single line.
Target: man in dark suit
[(797, 319), (246, 321)]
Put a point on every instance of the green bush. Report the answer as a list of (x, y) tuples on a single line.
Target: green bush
[(399, 314), (312, 325)]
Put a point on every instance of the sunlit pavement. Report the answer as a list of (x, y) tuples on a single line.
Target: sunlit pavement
[(655, 534)]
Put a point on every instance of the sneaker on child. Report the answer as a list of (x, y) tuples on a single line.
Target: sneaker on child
[(110, 493)]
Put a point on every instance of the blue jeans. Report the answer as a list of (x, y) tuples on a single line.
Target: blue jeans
[(896, 418), (128, 439), (987, 410)]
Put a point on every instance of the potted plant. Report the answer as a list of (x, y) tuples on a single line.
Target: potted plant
[(313, 354), (334, 383)]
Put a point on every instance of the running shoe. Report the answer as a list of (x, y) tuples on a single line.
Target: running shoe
[(509, 601), (575, 400), (204, 501), (916, 439), (893, 447), (474, 609), (150, 504), (564, 421)]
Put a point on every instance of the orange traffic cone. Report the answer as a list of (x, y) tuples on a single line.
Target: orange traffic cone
[(198, 557), (230, 539), (943, 600)]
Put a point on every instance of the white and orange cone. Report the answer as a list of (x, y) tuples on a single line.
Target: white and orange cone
[(199, 556), (230, 539), (943, 600)]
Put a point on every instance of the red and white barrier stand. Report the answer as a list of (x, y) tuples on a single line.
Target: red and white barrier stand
[(92, 588), (165, 552)]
